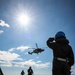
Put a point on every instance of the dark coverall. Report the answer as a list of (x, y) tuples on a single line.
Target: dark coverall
[(30, 71), (61, 49), (1, 73), (22, 73)]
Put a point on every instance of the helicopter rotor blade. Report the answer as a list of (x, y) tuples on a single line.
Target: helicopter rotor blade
[(31, 48), (45, 47), (36, 45)]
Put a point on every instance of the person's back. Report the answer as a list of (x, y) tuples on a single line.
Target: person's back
[(30, 71), (63, 55), (22, 72)]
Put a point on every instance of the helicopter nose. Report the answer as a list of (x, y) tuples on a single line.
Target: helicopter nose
[(43, 50)]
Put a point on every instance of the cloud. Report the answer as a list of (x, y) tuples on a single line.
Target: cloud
[(9, 59), (7, 56), (6, 64), (2, 23), (1, 31), (73, 69), (37, 57), (38, 61), (20, 48), (31, 62), (25, 64), (11, 49)]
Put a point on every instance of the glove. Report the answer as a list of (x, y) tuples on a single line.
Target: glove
[(51, 39)]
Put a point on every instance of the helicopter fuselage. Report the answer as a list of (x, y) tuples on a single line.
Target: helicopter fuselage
[(38, 50)]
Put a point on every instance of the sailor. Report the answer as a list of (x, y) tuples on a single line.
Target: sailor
[(30, 71), (63, 56), (22, 72)]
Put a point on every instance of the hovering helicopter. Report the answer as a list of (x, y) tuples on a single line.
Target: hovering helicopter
[(36, 50)]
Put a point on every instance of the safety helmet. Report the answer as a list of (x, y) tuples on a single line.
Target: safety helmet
[(60, 34)]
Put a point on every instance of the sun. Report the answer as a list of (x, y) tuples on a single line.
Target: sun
[(23, 19)]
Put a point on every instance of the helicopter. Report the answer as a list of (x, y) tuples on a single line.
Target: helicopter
[(36, 50)]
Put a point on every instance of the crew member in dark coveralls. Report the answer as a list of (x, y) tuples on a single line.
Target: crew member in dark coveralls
[(22, 73), (1, 73), (63, 56), (30, 71)]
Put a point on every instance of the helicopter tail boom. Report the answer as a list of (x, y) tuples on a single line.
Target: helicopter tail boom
[(30, 53)]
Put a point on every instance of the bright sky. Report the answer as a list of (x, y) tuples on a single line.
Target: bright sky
[(26, 22)]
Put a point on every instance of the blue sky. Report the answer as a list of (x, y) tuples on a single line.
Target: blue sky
[(45, 19)]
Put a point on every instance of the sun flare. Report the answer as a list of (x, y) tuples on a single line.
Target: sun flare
[(24, 19)]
